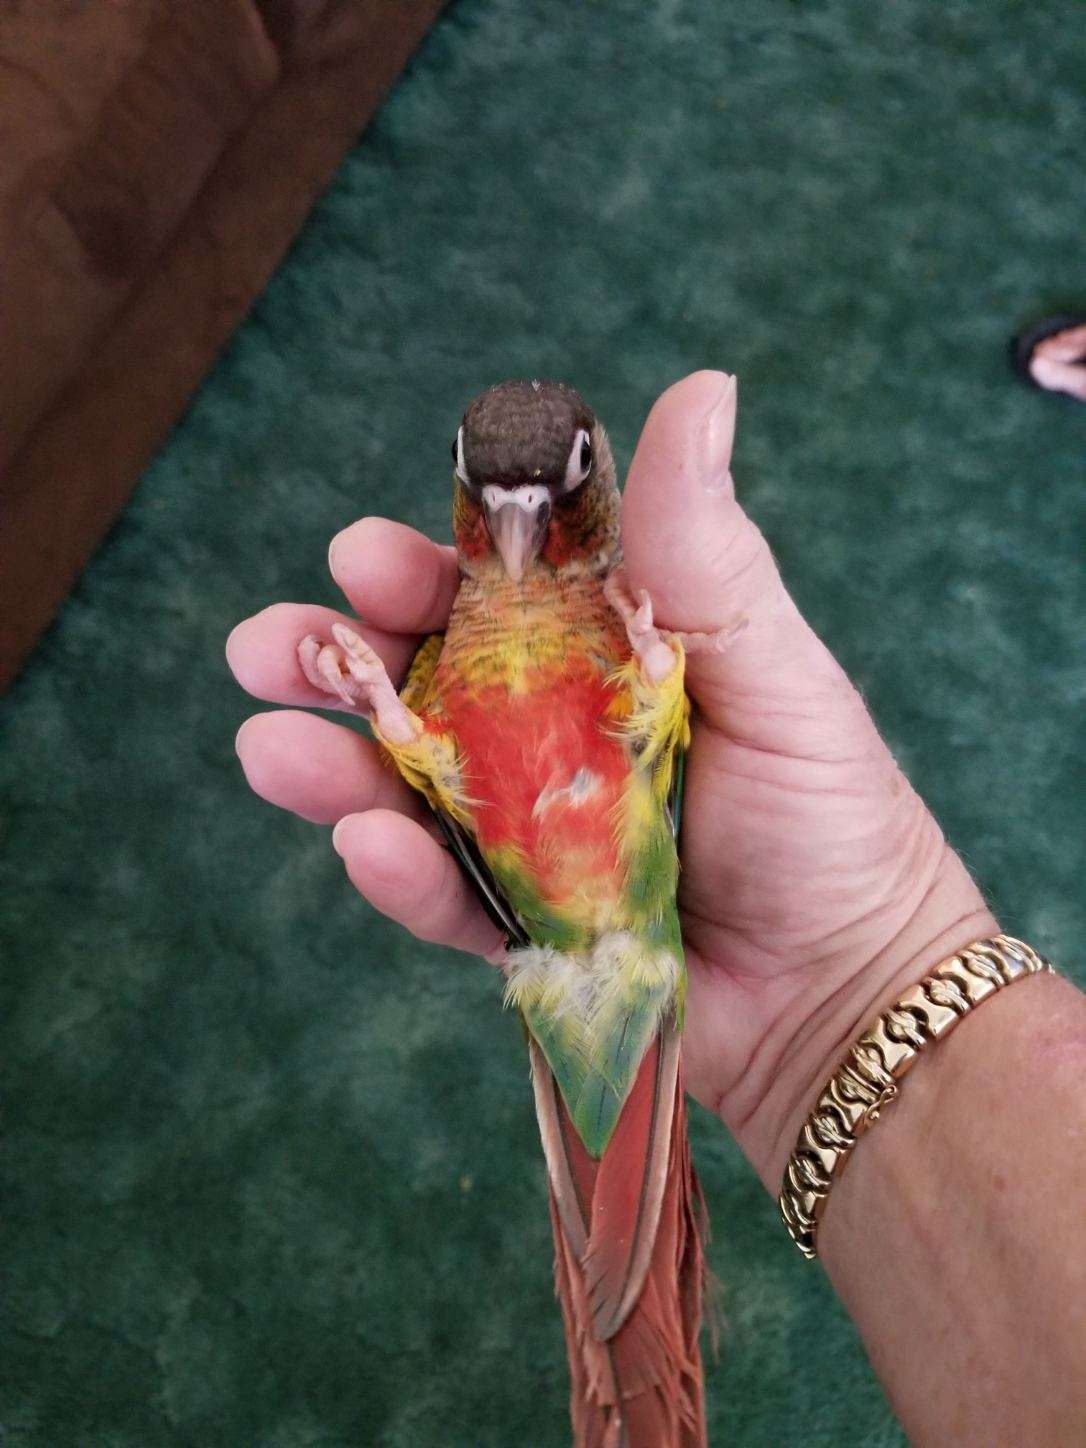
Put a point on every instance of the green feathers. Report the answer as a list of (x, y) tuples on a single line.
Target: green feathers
[(595, 1015)]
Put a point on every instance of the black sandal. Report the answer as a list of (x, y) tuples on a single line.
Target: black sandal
[(1023, 346)]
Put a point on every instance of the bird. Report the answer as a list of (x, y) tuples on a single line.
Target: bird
[(546, 728)]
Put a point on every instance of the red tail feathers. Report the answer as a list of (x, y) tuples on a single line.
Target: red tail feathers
[(634, 1356)]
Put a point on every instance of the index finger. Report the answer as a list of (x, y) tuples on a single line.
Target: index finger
[(395, 577)]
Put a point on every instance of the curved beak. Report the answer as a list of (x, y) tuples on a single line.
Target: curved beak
[(517, 519)]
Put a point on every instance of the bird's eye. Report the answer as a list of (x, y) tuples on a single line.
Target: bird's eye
[(580, 461), (458, 459)]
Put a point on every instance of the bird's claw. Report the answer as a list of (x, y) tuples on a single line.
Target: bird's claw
[(353, 671), (641, 622), (716, 642), (656, 655), (323, 666)]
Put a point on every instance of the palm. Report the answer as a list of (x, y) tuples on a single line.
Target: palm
[(778, 886)]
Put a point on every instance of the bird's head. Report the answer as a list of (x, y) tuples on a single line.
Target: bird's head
[(534, 483)]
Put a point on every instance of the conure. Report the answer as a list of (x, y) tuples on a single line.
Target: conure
[(545, 727)]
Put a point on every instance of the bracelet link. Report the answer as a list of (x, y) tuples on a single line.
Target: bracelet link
[(867, 1080)]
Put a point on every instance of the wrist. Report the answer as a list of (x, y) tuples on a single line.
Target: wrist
[(965, 1115), (954, 1235), (843, 999)]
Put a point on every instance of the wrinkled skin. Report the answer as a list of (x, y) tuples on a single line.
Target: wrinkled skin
[(816, 886)]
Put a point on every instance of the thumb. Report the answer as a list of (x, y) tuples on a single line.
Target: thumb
[(768, 681)]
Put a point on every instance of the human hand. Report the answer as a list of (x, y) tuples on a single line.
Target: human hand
[(815, 886)]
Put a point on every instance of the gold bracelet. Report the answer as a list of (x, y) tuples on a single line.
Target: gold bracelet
[(866, 1080)]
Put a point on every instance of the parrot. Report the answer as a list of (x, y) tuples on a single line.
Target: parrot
[(546, 727)]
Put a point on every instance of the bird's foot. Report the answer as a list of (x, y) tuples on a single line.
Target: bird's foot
[(350, 669), (715, 642), (652, 650), (648, 643)]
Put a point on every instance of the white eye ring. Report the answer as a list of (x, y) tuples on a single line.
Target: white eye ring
[(580, 461), (461, 465)]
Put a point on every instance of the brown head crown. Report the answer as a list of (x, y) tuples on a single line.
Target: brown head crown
[(535, 480), (522, 433)]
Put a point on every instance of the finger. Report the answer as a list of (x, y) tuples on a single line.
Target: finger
[(318, 769), (407, 875), (1056, 376), (709, 570), (263, 652), (393, 576)]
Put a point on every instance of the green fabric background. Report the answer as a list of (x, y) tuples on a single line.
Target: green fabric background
[(271, 1167)]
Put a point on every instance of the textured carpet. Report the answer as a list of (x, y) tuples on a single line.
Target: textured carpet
[(271, 1169)]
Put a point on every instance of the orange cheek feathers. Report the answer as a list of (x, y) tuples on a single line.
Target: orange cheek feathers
[(574, 532), (473, 540)]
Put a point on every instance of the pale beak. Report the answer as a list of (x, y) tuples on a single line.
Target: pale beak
[(517, 519)]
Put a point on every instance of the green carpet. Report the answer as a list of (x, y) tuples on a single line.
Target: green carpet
[(271, 1167)]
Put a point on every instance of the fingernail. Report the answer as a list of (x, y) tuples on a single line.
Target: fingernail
[(718, 434), (237, 736), (231, 642), (337, 837), (333, 549)]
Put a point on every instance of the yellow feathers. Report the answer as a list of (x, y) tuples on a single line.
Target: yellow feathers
[(432, 766), (655, 718), (416, 688)]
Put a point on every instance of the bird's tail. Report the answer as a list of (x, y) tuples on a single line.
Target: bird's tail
[(629, 1234)]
